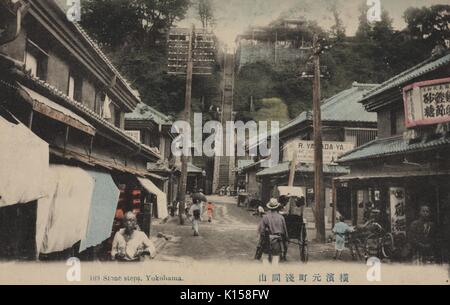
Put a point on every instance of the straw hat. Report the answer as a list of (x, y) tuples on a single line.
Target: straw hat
[(273, 204)]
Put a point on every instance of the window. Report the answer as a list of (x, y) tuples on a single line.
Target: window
[(71, 87), (360, 136), (100, 99), (31, 63), (75, 87), (36, 60), (117, 117)]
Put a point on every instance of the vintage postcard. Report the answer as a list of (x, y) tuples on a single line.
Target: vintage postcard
[(239, 142)]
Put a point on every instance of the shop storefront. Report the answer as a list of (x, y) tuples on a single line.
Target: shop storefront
[(399, 199), (408, 166), (65, 152)]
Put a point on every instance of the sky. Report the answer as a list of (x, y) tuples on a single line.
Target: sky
[(234, 16)]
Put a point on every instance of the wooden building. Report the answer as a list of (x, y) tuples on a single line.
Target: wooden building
[(57, 82), (346, 125), (408, 165)]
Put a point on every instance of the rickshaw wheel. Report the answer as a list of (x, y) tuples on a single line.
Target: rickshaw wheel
[(387, 247)]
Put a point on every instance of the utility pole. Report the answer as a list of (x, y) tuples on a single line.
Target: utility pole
[(190, 53), (187, 118), (319, 192)]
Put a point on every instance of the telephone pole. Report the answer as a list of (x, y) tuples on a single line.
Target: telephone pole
[(187, 118), (319, 192), (190, 53)]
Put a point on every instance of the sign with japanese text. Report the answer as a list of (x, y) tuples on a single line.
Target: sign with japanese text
[(305, 151), (398, 216), (427, 102)]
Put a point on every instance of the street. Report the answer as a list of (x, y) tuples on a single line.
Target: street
[(231, 236)]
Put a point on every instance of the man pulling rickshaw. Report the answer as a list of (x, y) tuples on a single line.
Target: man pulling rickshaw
[(273, 234), (289, 227)]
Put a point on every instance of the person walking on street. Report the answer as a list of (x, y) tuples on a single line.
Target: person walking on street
[(196, 211), (340, 230), (210, 211), (273, 234)]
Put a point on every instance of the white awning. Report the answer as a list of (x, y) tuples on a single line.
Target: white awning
[(62, 217), (24, 161), (160, 195), (57, 112)]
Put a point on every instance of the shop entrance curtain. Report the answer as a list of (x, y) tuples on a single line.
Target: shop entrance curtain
[(62, 217), (160, 195), (24, 161), (103, 208)]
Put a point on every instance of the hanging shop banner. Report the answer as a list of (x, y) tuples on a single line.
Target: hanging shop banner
[(24, 160), (62, 217), (305, 150), (398, 216), (160, 195), (427, 102), (103, 208)]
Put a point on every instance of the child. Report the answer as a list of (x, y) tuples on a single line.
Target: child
[(210, 210), (340, 229), (196, 212)]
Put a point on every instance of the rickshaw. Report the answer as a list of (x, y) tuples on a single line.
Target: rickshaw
[(293, 199)]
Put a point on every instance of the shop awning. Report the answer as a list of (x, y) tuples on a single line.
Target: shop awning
[(385, 175), (103, 207), (100, 162), (24, 163), (191, 169), (283, 168), (160, 195), (57, 112), (62, 217), (391, 147), (157, 176)]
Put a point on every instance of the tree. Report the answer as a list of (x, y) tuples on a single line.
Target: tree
[(379, 31), (205, 12), (338, 29), (383, 30), (133, 34), (118, 22), (429, 23), (364, 26)]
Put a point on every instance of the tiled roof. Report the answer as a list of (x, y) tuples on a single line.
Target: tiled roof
[(251, 165), (391, 146), (63, 7), (343, 106), (408, 75), (102, 55), (90, 114), (145, 112), (306, 168)]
